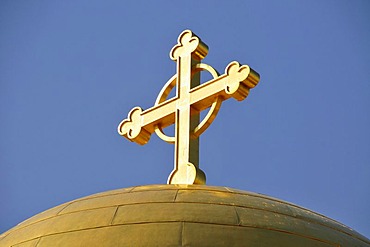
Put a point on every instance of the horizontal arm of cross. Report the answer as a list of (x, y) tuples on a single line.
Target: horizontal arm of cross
[(235, 83)]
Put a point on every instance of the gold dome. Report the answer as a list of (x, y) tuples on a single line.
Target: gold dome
[(180, 215)]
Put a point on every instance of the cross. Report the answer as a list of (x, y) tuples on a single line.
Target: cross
[(184, 109)]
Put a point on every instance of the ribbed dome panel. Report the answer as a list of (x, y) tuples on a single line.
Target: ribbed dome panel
[(180, 215)]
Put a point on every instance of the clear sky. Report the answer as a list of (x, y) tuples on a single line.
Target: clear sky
[(70, 71)]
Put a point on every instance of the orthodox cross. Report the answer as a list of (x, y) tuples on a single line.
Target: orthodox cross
[(184, 109)]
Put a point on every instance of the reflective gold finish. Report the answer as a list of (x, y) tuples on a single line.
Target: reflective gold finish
[(184, 109), (180, 215)]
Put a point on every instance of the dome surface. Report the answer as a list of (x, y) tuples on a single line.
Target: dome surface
[(180, 215)]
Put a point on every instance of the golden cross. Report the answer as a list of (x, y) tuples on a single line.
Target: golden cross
[(184, 109)]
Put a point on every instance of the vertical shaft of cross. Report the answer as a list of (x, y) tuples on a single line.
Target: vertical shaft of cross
[(186, 148)]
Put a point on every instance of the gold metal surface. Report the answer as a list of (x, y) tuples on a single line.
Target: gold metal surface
[(180, 215), (184, 109)]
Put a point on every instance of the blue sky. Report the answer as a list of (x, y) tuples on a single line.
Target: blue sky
[(70, 71)]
